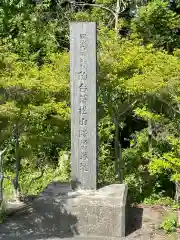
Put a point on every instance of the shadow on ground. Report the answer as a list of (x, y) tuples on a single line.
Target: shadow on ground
[(133, 219), (40, 219)]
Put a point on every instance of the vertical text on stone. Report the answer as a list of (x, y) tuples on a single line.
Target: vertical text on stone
[(83, 103)]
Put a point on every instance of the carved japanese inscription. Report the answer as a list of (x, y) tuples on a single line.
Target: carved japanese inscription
[(83, 104)]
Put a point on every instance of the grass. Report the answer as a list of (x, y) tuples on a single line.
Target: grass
[(169, 224), (162, 201)]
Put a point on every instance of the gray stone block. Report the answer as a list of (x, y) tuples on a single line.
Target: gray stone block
[(83, 104), (99, 213)]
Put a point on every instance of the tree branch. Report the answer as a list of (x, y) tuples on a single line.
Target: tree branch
[(110, 22), (128, 108), (123, 6), (96, 6), (36, 178), (165, 102)]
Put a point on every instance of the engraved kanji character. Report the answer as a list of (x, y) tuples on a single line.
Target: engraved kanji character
[(83, 133), (82, 35), (83, 88), (83, 76), (82, 85), (83, 109), (83, 98), (83, 122), (84, 142), (83, 154), (83, 62), (83, 166), (83, 147)]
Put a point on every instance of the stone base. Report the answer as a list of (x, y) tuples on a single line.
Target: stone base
[(86, 213)]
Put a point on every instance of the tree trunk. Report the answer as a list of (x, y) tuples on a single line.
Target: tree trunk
[(15, 181), (117, 12), (1, 187), (150, 134), (121, 164), (118, 153), (117, 149), (177, 195), (1, 177), (177, 198)]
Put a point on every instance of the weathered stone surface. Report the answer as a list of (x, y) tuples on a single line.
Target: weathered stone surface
[(98, 213), (83, 104)]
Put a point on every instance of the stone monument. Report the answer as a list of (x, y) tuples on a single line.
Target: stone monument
[(83, 104), (99, 212), (82, 209)]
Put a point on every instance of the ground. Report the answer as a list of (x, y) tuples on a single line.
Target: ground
[(149, 221)]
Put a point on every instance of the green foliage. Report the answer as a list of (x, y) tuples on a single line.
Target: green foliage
[(138, 78), (34, 30), (141, 184), (33, 180), (106, 168), (161, 201), (169, 224), (37, 101), (167, 161), (157, 24)]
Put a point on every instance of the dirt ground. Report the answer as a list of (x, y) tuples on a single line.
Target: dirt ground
[(143, 223)]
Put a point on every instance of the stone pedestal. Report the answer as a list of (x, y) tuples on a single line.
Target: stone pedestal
[(86, 212)]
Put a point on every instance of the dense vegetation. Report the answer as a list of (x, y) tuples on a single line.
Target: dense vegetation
[(139, 93)]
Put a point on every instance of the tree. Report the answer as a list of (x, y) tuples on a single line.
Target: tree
[(33, 29), (157, 24), (138, 78), (35, 108), (107, 12)]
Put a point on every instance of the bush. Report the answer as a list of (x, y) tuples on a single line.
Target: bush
[(169, 224)]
